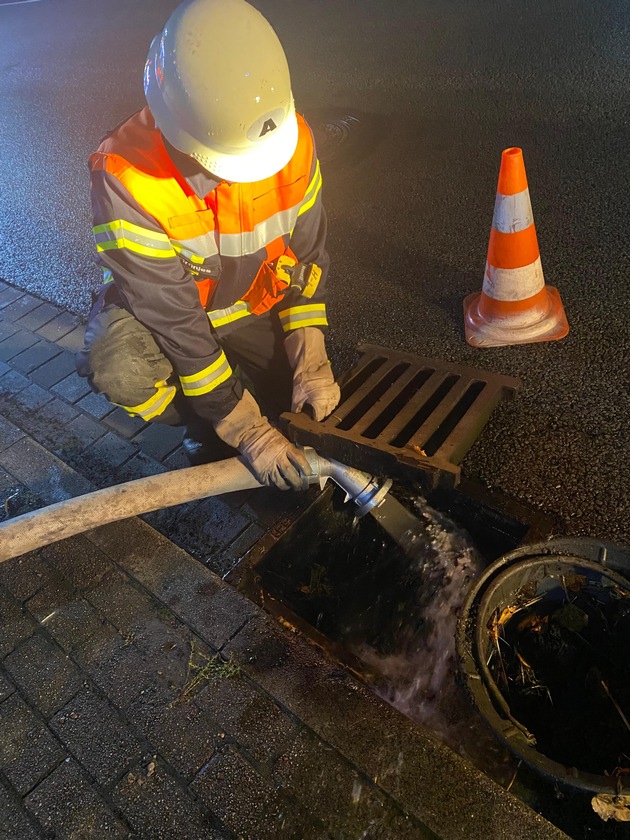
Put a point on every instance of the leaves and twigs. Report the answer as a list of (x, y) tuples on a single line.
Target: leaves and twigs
[(620, 592), (571, 617), (611, 806), (513, 779), (573, 583), (604, 685), (202, 668), (317, 585), (528, 679)]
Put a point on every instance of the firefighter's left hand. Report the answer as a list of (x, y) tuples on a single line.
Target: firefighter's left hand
[(317, 389), (313, 380)]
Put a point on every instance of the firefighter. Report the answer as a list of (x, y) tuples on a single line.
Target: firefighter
[(210, 232)]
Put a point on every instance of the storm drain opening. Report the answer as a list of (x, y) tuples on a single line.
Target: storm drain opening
[(390, 610)]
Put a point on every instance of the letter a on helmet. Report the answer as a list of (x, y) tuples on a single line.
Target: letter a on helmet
[(218, 85)]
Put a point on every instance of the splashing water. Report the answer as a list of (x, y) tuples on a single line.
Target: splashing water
[(420, 675)]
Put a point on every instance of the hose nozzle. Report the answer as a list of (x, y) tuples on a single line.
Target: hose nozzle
[(366, 491)]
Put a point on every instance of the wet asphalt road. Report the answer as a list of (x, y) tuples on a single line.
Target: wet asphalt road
[(440, 88)]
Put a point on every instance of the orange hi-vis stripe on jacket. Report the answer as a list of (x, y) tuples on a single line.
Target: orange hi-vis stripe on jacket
[(250, 223)]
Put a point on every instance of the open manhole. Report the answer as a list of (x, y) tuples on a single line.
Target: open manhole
[(543, 640)]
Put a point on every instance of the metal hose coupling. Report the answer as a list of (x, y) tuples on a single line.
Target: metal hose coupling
[(366, 491)]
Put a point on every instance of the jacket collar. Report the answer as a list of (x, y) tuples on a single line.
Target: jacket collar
[(198, 178)]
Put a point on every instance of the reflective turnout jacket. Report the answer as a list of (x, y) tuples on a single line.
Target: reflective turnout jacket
[(193, 257)]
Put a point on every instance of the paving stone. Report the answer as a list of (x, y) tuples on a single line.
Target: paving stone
[(58, 327), (240, 797), (39, 316), (43, 473), (6, 687), (71, 622), (8, 295), (9, 433), (202, 528), (55, 370), (268, 506), (85, 430), (15, 624), (47, 677), (313, 773), (105, 456), (177, 460), (24, 404), (159, 440), (51, 422), (16, 343), (126, 606), (172, 652), (7, 328), (214, 611), (73, 340), (55, 595), (12, 384), (114, 664), (94, 733), (123, 424), (139, 466), (254, 720), (24, 575), (72, 388), (21, 306), (15, 823), (28, 751), (224, 560), (96, 405), (175, 728), (158, 808), (79, 560), (69, 807), (35, 356)]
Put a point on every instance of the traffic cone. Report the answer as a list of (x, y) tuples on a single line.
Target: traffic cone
[(514, 306)]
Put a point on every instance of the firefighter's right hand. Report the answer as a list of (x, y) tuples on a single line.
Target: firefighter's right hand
[(271, 457)]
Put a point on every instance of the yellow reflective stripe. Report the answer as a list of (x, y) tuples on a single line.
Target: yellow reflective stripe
[(154, 405), (108, 277), (208, 379), (311, 315), (220, 317), (194, 258), (315, 186), (123, 234)]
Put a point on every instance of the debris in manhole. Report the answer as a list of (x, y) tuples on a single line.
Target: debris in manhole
[(560, 661)]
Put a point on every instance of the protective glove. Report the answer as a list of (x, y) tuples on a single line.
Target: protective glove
[(272, 459), (313, 379)]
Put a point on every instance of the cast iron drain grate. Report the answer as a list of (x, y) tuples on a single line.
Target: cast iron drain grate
[(405, 416)]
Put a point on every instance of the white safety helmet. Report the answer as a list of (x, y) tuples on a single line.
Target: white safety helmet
[(217, 83)]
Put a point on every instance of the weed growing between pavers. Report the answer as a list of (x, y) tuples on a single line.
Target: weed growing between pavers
[(202, 669)]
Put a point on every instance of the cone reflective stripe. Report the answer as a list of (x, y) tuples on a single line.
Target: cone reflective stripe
[(514, 306)]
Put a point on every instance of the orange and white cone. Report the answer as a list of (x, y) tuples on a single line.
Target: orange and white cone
[(514, 306)]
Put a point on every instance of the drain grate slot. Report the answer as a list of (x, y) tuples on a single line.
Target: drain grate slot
[(357, 379), (393, 408), (405, 416), (441, 434), (421, 417), (368, 397)]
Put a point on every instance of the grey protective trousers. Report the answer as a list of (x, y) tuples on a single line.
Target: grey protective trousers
[(122, 361)]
